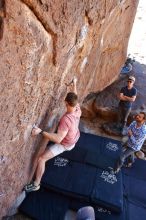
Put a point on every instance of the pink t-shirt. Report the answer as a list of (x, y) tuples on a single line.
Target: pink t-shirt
[(70, 123)]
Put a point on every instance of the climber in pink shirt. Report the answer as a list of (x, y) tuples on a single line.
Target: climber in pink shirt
[(65, 139)]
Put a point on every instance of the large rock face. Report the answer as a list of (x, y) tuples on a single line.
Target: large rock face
[(43, 44)]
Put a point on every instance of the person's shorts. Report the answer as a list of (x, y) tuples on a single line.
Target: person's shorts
[(57, 149)]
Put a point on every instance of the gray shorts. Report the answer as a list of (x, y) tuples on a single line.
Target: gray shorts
[(57, 149)]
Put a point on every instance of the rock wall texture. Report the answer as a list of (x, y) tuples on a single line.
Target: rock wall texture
[(43, 44)]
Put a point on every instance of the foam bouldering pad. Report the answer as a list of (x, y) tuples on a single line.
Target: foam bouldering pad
[(84, 182), (135, 212), (69, 178), (95, 150), (108, 190), (44, 205), (137, 170), (102, 213), (135, 190)]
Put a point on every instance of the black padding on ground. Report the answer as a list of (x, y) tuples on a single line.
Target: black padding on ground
[(101, 213), (108, 190), (103, 162), (135, 212), (76, 174), (105, 214), (135, 190), (73, 179), (137, 170), (44, 205), (95, 150), (77, 154), (84, 182)]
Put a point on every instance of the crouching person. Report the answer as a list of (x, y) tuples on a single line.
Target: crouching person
[(136, 138)]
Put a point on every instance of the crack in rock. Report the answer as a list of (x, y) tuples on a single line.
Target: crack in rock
[(46, 27), (2, 16)]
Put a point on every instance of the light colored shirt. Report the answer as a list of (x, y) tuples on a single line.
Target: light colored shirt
[(70, 123), (136, 140)]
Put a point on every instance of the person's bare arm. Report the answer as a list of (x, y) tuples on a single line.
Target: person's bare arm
[(55, 137), (130, 133), (126, 98), (131, 99), (73, 85), (136, 139), (122, 97)]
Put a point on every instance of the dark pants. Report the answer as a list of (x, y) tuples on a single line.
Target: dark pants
[(86, 213), (123, 115), (125, 154)]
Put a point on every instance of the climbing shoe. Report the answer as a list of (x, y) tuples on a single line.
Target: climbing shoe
[(31, 187), (117, 170)]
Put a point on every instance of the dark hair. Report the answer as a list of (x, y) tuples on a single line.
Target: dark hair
[(71, 99), (144, 115)]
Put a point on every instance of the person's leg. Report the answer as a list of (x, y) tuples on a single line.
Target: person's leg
[(53, 151), (130, 160), (140, 154), (123, 114), (47, 155), (132, 157), (86, 213), (120, 115), (35, 185), (126, 113), (122, 158)]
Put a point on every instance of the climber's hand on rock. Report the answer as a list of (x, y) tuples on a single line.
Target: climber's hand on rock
[(35, 131), (74, 81)]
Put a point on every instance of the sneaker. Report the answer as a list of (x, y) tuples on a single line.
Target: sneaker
[(116, 171), (112, 172), (31, 187), (129, 165), (124, 131)]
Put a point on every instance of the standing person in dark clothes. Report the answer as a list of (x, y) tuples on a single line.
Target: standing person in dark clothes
[(136, 137), (127, 97)]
